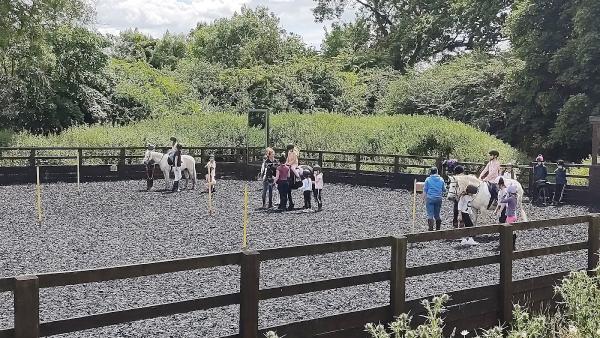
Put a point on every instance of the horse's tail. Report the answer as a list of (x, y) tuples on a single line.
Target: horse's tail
[(193, 172)]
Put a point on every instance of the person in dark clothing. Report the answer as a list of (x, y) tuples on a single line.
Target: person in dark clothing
[(267, 175), (450, 165), (561, 181), (501, 206), (540, 174), (177, 168), (456, 170), (282, 180)]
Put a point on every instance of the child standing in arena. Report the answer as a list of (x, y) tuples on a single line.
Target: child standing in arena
[(318, 187), (307, 190)]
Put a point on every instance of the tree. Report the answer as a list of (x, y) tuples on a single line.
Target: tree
[(168, 51), (411, 31), (557, 89), (132, 45), (249, 38)]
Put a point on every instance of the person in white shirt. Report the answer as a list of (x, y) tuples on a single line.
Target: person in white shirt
[(318, 186), (211, 167), (464, 207), (307, 190)]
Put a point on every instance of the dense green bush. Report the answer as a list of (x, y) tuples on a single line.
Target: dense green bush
[(401, 134), (468, 89)]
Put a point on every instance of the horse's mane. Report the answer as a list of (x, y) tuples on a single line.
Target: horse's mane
[(464, 180)]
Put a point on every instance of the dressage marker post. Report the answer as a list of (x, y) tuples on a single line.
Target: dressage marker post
[(245, 219), (417, 188), (38, 189), (78, 173)]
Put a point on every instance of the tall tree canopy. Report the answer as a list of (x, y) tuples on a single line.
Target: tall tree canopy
[(52, 67), (411, 31), (249, 38), (559, 87)]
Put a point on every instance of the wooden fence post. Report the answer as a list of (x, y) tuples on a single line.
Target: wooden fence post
[(357, 161), (396, 164), (122, 156), (249, 286), (32, 157), (320, 159), (27, 307), (593, 241), (80, 152), (398, 280), (506, 260)]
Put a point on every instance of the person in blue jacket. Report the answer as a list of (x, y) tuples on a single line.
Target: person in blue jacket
[(433, 190)]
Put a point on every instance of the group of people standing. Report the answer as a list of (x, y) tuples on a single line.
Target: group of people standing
[(286, 174), (500, 190)]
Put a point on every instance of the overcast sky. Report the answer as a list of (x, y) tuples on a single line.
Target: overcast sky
[(154, 17)]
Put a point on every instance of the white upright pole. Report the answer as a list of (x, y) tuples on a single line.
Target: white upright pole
[(78, 173), (38, 194)]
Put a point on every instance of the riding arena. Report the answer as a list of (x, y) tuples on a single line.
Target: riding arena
[(105, 256)]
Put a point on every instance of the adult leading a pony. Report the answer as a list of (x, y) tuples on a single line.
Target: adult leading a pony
[(188, 165), (458, 185)]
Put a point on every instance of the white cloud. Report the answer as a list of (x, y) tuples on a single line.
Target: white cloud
[(155, 17)]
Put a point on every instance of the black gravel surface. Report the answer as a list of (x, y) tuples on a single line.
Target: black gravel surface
[(116, 223)]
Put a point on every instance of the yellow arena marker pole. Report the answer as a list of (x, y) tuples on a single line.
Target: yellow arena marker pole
[(245, 219), (38, 194)]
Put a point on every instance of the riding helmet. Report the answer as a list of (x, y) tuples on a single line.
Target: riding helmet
[(494, 152)]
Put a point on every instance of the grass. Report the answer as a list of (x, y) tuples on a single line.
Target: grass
[(399, 134)]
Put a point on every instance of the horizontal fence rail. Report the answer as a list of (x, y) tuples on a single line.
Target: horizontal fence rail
[(394, 170), (467, 309)]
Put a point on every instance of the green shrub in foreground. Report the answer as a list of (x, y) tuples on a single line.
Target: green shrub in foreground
[(400, 134)]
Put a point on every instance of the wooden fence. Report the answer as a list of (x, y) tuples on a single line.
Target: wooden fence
[(17, 165), (468, 309)]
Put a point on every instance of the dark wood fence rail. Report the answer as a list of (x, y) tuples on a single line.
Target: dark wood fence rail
[(119, 163), (467, 309)]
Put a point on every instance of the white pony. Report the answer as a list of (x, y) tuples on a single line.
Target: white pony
[(188, 166), (459, 183)]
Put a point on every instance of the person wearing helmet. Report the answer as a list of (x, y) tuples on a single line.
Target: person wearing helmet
[(502, 194), (511, 204), (450, 165), (177, 168), (434, 189), (306, 190), (457, 170), (318, 186), (464, 206), (490, 174)]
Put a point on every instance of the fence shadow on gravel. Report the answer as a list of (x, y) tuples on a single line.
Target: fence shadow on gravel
[(17, 166), (478, 307)]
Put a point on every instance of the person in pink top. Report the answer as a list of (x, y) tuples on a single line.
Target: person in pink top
[(491, 173)]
